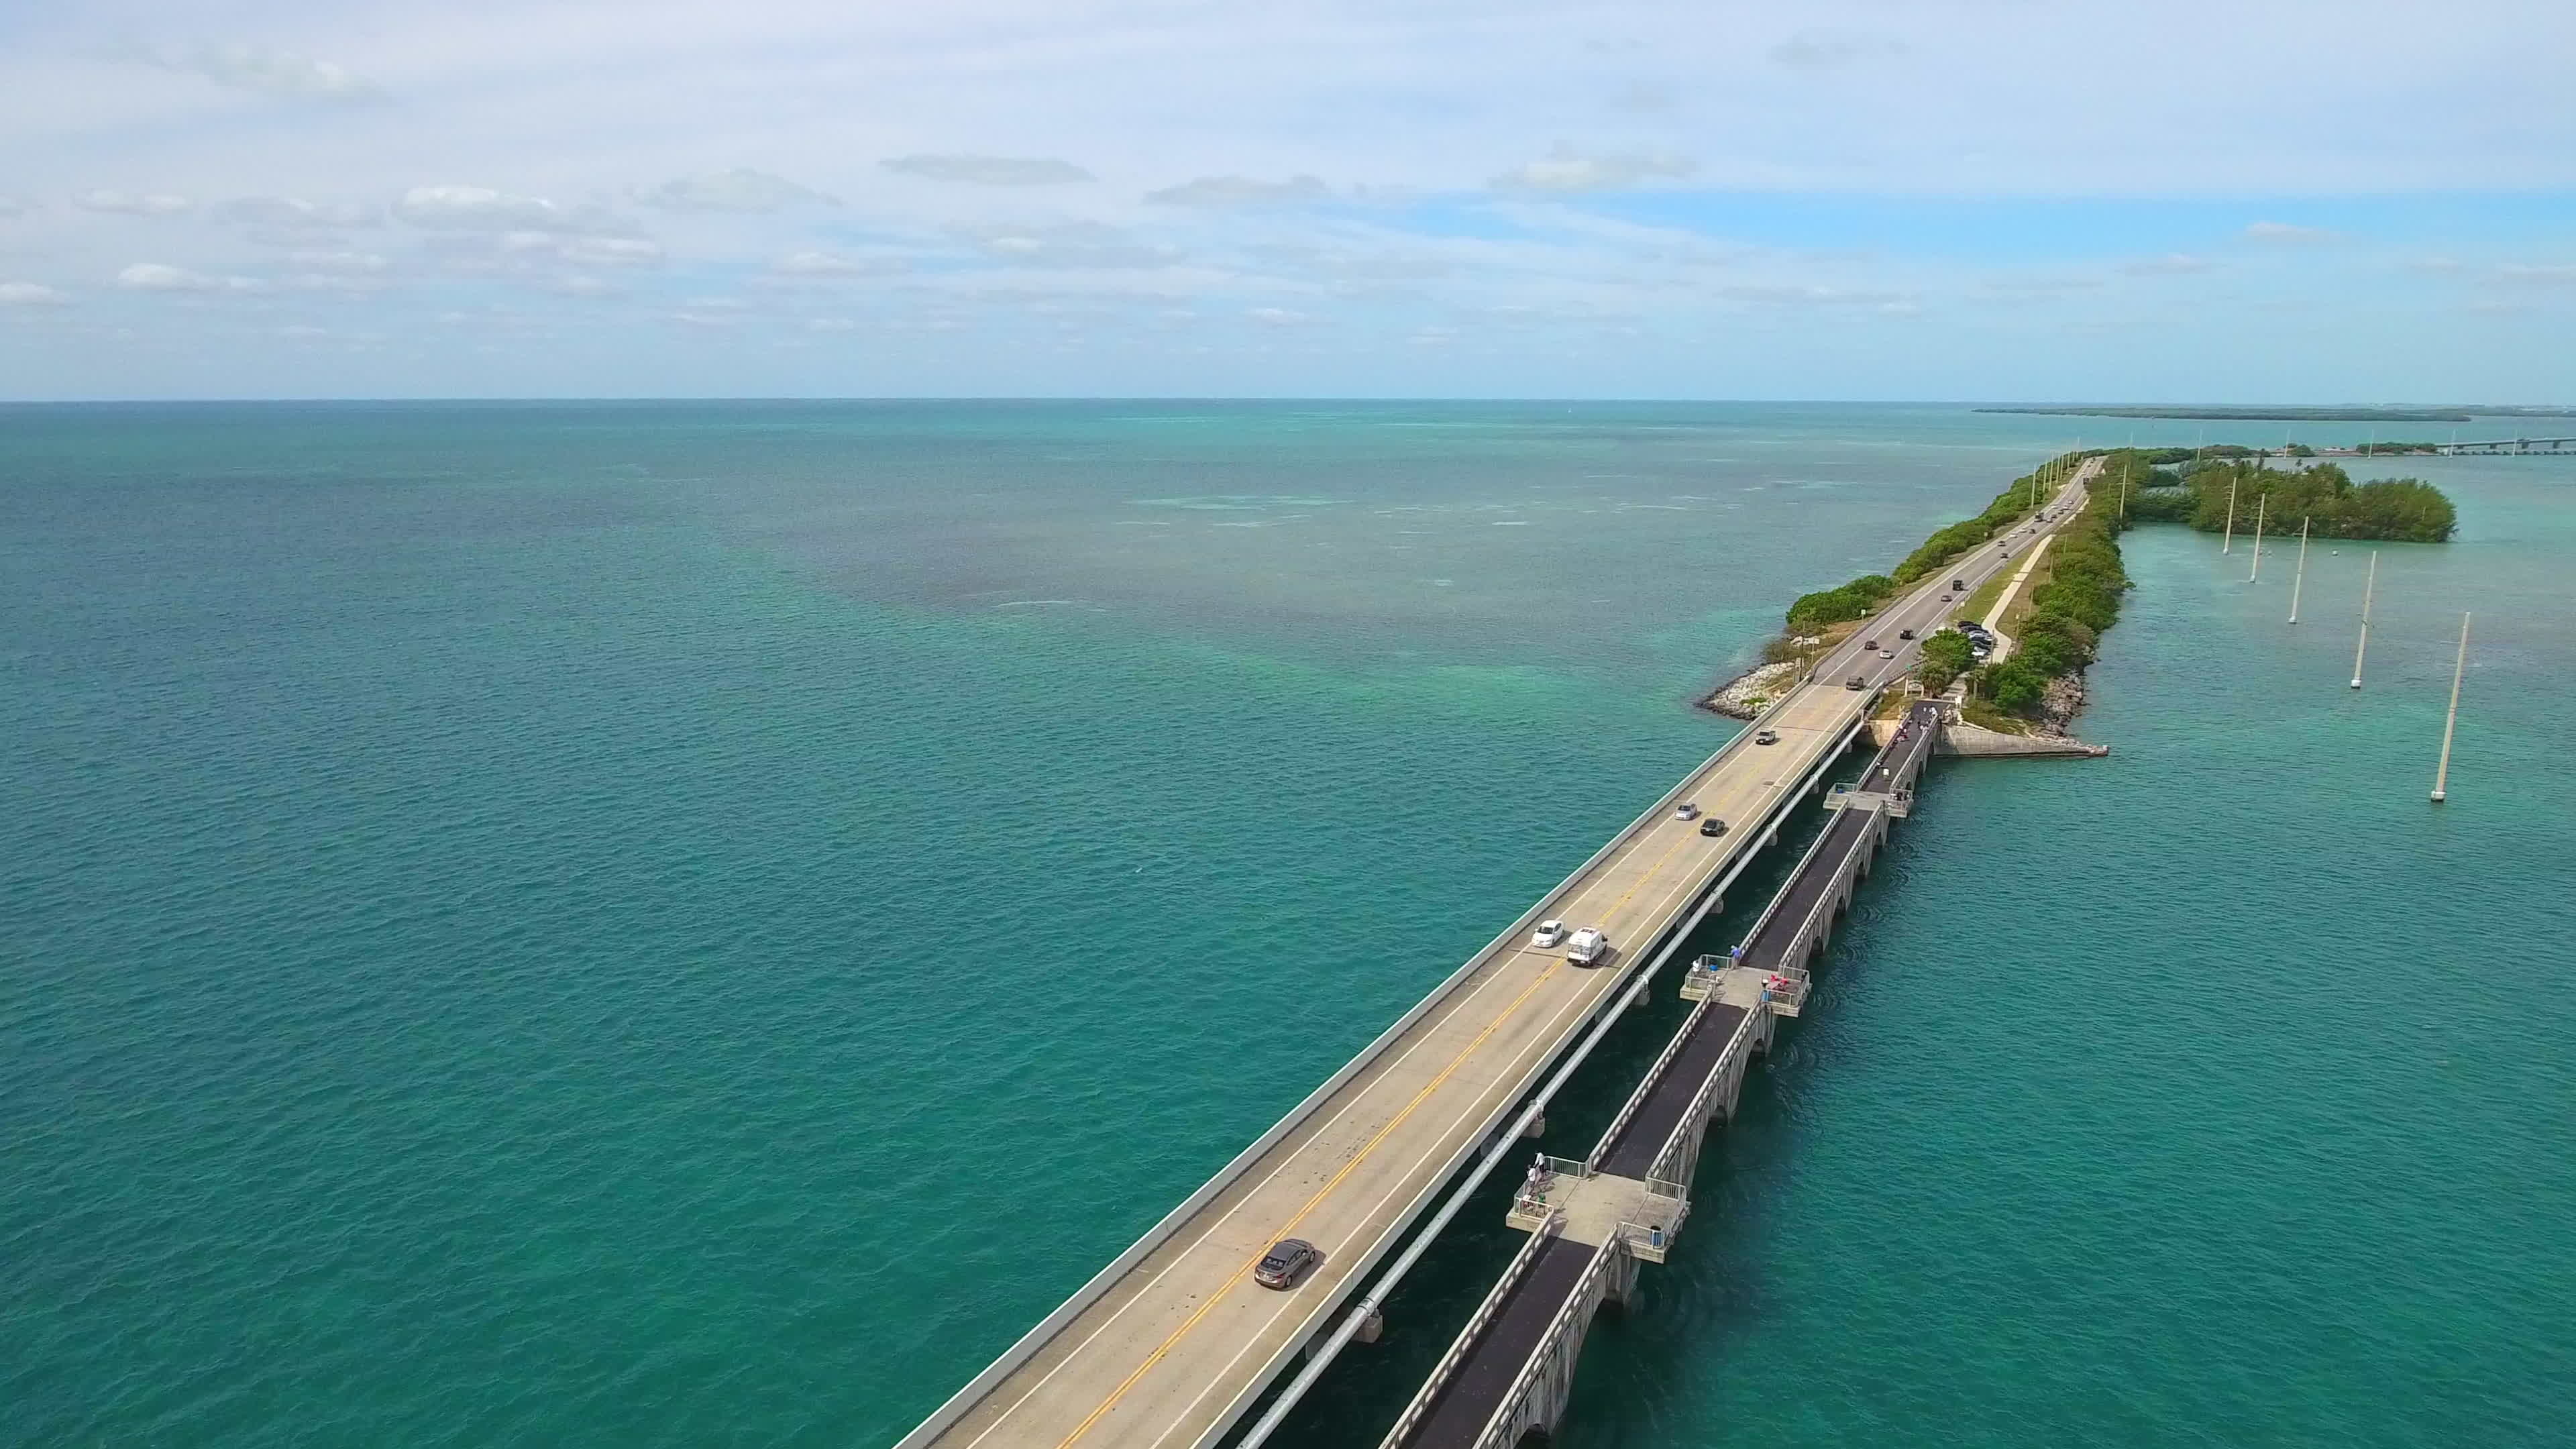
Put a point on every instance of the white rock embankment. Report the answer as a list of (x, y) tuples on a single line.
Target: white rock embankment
[(1747, 694)]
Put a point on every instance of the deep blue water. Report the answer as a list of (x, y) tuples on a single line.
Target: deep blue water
[(679, 924)]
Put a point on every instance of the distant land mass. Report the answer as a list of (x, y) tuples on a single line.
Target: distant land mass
[(2300, 415)]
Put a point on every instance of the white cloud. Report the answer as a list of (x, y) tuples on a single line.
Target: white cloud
[(1276, 316), (1565, 169), (294, 211), (343, 263), (2171, 264), (991, 170), (480, 208), (31, 294), (1240, 191), (149, 203), (160, 277), (1081, 244), (831, 264), (2555, 274), (2282, 231), (740, 189), (1821, 49), (1794, 295), (268, 72), (607, 251)]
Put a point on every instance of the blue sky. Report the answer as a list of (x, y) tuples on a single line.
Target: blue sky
[(1986, 199)]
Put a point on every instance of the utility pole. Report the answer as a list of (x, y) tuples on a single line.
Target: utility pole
[(2299, 580), (2442, 776), (2230, 545), (2258, 537), (2364, 645)]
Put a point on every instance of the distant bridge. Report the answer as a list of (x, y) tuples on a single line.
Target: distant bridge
[(2562, 447), (2511, 445)]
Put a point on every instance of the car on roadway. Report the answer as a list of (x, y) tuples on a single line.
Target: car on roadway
[(1904, 633), (1887, 654), (1712, 826), (1549, 933), (1945, 598), (1869, 646), (1766, 737), (1855, 682), (1958, 586), (1589, 947), (1288, 1260), (1686, 811)]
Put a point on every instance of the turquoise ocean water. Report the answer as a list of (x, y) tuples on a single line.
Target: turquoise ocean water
[(692, 924)]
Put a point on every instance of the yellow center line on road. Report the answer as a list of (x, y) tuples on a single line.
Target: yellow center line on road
[(1311, 1204), (1347, 1169)]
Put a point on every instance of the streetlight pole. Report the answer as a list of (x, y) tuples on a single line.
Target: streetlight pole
[(2299, 580), (2442, 776)]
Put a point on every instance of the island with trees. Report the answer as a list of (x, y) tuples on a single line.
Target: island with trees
[(2055, 624), (2397, 510)]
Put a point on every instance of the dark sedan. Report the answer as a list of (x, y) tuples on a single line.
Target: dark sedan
[(1288, 1261)]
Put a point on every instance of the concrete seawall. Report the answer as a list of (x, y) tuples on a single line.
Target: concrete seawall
[(1961, 738)]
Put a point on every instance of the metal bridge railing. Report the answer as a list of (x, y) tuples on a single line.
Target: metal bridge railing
[(1692, 1120), (1538, 1186), (1468, 1337), (1503, 1430), (1650, 1225), (1784, 991), (1645, 1089)]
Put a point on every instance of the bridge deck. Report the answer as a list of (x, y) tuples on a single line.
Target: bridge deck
[(1469, 1399), (1165, 1349), (1494, 1360), (1642, 1139), (1165, 1354)]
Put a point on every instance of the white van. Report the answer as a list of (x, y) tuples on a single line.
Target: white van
[(1587, 948)]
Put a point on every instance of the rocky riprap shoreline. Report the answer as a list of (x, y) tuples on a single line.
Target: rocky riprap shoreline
[(1747, 694)]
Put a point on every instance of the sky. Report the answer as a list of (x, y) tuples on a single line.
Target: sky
[(2195, 200)]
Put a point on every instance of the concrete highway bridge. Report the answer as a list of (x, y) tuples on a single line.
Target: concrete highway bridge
[(1593, 1222), (1172, 1343)]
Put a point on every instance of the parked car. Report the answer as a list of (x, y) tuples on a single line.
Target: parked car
[(1686, 811), (1766, 737), (1549, 933), (1288, 1260), (1588, 948), (1712, 826)]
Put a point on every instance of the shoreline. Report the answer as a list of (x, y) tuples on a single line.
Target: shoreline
[(2043, 718)]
